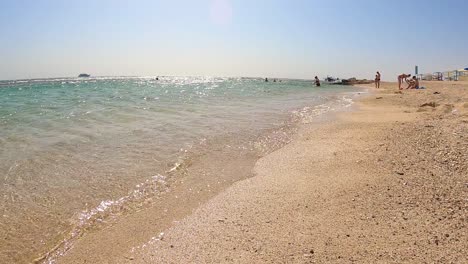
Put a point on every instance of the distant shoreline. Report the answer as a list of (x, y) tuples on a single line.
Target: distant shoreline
[(150, 76)]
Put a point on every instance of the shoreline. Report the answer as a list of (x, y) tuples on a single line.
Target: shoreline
[(344, 190), (363, 188), (191, 184)]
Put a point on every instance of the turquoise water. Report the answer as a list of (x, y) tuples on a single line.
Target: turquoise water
[(71, 148)]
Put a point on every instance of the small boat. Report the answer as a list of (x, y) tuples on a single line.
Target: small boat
[(84, 75)]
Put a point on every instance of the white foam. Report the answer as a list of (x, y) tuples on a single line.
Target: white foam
[(105, 208), (308, 114)]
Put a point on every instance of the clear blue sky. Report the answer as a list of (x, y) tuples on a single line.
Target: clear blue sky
[(274, 38)]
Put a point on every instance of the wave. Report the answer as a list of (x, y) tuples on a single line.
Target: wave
[(92, 218)]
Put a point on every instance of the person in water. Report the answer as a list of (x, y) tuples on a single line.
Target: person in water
[(413, 84), (266, 79), (377, 80), (401, 78), (317, 81)]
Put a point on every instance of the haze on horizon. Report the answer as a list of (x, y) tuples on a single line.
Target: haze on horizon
[(277, 38)]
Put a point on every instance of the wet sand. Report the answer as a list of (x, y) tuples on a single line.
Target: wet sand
[(384, 184)]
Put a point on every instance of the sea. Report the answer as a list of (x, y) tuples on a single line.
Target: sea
[(75, 152)]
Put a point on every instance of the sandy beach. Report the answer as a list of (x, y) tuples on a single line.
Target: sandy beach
[(233, 132), (386, 183)]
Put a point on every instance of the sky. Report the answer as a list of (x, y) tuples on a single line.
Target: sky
[(256, 38)]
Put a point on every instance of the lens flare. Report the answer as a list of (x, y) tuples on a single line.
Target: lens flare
[(221, 12)]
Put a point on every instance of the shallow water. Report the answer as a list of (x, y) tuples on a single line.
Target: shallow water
[(74, 151)]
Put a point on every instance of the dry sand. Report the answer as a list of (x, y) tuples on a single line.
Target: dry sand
[(384, 184)]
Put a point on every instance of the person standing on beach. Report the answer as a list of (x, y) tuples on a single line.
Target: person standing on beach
[(401, 78), (377, 80), (317, 81)]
